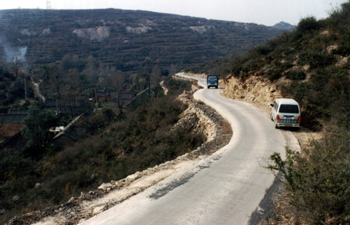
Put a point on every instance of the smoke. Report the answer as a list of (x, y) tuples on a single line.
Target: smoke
[(10, 53)]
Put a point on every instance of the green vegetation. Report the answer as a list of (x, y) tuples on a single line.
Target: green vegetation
[(318, 179), (117, 148), (38, 122)]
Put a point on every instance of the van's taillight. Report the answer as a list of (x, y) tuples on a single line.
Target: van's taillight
[(299, 118), (278, 117)]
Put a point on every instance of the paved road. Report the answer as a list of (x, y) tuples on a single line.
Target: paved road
[(225, 188)]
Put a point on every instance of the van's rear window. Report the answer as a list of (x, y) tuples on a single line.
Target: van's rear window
[(289, 109)]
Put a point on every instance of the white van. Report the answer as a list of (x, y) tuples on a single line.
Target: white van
[(285, 113)]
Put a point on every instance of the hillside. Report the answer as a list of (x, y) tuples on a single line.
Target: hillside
[(162, 129), (122, 38), (309, 64)]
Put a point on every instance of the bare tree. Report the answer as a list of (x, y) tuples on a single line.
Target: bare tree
[(2, 65), (173, 69), (91, 70), (16, 65), (136, 81), (1, 124), (154, 80), (117, 81), (72, 90)]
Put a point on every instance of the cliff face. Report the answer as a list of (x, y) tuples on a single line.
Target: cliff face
[(123, 38), (252, 89)]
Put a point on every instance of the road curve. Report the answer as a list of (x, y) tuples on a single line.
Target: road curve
[(225, 188)]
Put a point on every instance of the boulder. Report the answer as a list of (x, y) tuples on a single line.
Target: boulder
[(105, 186)]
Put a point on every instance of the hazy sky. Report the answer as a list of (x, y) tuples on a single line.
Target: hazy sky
[(268, 12)]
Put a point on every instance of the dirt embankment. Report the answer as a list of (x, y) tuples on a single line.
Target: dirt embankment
[(258, 90), (261, 92)]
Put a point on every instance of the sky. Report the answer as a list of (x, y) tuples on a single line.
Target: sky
[(266, 12)]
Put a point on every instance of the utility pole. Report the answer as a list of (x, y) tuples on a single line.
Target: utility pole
[(48, 4), (25, 88)]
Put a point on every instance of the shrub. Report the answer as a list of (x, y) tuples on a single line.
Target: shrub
[(308, 24), (264, 50), (296, 75), (338, 19), (38, 122), (343, 50), (108, 114), (92, 124), (318, 179), (316, 59), (274, 74)]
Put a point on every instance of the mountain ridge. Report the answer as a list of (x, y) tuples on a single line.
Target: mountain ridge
[(124, 38)]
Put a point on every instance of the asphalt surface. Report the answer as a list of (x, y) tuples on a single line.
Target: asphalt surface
[(225, 188)]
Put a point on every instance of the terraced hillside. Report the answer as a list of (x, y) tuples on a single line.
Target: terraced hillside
[(123, 38)]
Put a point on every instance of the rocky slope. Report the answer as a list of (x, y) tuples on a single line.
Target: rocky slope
[(78, 209)]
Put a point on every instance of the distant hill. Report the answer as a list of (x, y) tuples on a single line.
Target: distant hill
[(123, 38), (284, 26)]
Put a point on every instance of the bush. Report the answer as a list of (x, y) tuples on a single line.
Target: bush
[(264, 50), (316, 59), (108, 114), (296, 75), (308, 24), (338, 19), (343, 50), (274, 74), (318, 179), (38, 122)]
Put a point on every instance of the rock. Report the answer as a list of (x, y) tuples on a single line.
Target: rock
[(134, 176), (342, 61), (306, 67), (105, 186), (37, 185), (331, 48), (97, 210), (15, 198)]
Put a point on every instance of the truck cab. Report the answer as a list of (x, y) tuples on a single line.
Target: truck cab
[(212, 81)]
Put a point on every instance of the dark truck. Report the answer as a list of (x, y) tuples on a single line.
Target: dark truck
[(212, 81)]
